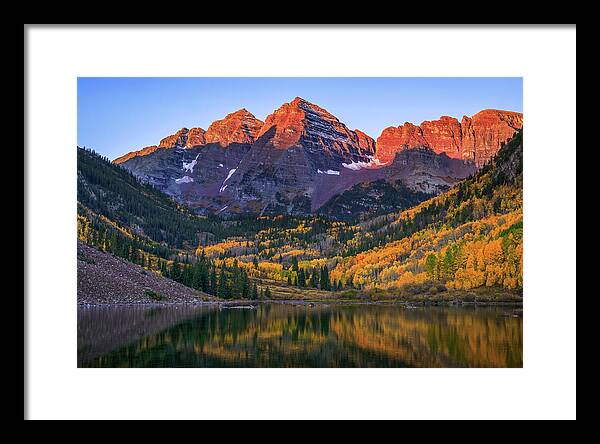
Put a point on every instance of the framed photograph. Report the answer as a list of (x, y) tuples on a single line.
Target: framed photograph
[(266, 231)]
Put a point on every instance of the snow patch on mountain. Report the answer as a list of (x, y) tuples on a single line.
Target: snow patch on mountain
[(184, 179), (332, 172), (189, 167), (372, 163), (231, 171), (223, 186)]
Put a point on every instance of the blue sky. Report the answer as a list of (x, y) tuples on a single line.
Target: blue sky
[(116, 115)]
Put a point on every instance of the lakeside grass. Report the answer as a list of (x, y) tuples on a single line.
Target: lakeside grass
[(412, 293)]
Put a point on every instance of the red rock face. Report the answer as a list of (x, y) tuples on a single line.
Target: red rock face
[(284, 126), (301, 121), (238, 127), (444, 135), (484, 133), (394, 139), (174, 140), (184, 138), (142, 152), (195, 137), (365, 142), (476, 139)]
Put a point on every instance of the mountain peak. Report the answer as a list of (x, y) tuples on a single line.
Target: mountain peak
[(238, 127), (315, 128), (184, 138), (195, 137), (176, 140), (298, 100), (243, 112), (310, 107)]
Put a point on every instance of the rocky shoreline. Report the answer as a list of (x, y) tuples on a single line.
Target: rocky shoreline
[(104, 279)]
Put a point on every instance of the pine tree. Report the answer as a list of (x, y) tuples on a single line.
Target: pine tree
[(186, 278), (325, 284), (175, 272), (222, 290), (301, 278), (236, 280), (314, 279), (245, 285), (213, 281)]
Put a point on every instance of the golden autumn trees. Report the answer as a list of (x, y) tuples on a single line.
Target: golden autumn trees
[(483, 253)]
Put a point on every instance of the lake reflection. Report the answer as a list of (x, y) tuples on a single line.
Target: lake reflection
[(277, 335)]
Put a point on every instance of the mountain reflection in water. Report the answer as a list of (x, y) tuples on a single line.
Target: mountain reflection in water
[(278, 335)]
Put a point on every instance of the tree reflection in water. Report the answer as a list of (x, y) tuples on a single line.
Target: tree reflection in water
[(278, 335)]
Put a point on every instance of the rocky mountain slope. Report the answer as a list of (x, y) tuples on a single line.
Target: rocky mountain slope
[(302, 156), (103, 278), (371, 199)]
